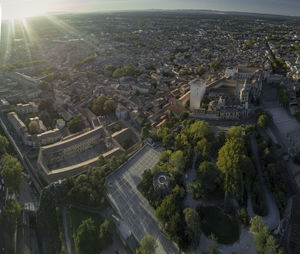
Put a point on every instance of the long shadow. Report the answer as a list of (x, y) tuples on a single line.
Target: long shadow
[(148, 224)]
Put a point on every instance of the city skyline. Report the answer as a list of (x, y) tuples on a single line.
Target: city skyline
[(25, 8)]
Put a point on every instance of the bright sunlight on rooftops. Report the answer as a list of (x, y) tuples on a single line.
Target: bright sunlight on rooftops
[(19, 9)]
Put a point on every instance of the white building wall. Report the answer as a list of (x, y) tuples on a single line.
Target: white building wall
[(230, 72), (198, 89)]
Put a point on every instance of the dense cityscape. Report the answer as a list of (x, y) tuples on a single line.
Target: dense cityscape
[(150, 132)]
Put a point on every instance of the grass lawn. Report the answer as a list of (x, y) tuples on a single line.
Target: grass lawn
[(215, 221), (77, 216)]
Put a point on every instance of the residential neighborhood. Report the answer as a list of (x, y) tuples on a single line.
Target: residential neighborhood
[(179, 129)]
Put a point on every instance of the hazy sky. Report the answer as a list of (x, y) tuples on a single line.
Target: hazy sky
[(15, 8)]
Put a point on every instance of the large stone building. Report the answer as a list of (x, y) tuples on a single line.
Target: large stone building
[(70, 157), (4, 105), (44, 138), (229, 97), (22, 79), (198, 88), (31, 107), (17, 124), (37, 140)]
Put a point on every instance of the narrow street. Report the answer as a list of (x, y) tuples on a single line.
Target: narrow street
[(191, 176), (67, 230)]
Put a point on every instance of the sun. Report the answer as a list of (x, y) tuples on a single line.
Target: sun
[(20, 9)]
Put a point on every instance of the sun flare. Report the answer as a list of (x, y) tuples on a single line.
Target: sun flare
[(19, 9)]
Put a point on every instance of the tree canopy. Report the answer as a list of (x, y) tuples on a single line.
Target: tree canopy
[(3, 144), (44, 85), (233, 163), (192, 221), (147, 245), (208, 178), (167, 209), (220, 139), (199, 130), (33, 128), (87, 237), (103, 106), (10, 215), (127, 70), (92, 238), (263, 121), (265, 242), (215, 65), (200, 70), (178, 161), (106, 233), (11, 172), (88, 188), (75, 125), (235, 132)]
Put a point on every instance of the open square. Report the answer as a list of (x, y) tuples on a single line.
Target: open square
[(130, 204)]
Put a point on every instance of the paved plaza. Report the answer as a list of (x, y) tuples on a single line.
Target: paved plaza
[(283, 121), (132, 207)]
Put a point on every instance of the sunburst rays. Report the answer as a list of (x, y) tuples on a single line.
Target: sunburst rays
[(24, 36)]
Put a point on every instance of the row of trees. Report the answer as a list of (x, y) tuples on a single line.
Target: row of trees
[(11, 171)]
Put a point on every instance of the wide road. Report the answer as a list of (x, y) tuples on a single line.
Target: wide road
[(131, 205)]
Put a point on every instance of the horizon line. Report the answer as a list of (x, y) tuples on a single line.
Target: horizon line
[(153, 10)]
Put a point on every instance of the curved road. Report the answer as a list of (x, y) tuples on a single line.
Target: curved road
[(273, 217)]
